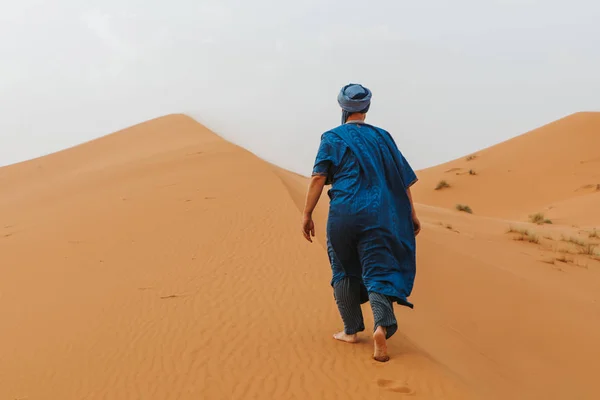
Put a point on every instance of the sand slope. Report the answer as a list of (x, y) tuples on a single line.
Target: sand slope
[(524, 175), (162, 262), (512, 319)]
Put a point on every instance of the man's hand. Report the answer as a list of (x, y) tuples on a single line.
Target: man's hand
[(416, 222), (308, 227), (315, 187), (416, 225)]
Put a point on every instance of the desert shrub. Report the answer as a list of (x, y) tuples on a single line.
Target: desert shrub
[(588, 249), (464, 208), (442, 185), (524, 235), (539, 219), (574, 240)]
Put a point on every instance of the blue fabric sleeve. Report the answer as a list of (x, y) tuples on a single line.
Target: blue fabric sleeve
[(329, 157), (408, 174)]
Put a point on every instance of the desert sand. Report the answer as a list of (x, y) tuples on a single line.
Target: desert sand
[(163, 262), (546, 170)]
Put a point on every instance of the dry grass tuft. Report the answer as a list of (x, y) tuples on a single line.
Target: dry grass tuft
[(448, 226), (528, 238), (583, 248), (574, 240), (464, 208), (564, 259), (588, 249), (539, 219), (442, 185), (517, 230), (524, 235)]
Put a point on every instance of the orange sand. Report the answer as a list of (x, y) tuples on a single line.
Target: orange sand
[(531, 173), (162, 262)]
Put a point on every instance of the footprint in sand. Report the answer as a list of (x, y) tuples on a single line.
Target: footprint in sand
[(393, 386)]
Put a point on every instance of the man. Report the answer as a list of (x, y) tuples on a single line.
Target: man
[(372, 224)]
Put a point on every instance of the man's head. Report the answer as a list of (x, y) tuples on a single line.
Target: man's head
[(354, 99)]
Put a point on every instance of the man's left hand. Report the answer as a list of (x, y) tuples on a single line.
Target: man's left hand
[(416, 225)]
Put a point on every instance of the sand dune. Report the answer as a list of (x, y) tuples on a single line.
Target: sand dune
[(524, 175), (162, 262), (582, 211)]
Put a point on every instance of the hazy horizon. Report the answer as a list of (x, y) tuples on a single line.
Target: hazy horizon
[(447, 80)]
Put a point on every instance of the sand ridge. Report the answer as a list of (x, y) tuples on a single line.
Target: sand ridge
[(527, 174), (162, 262)]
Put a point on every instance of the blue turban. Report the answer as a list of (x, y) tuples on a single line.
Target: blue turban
[(354, 98)]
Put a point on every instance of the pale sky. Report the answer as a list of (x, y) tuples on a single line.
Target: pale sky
[(448, 77)]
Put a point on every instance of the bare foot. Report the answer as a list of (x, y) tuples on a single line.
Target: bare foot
[(345, 337), (380, 354)]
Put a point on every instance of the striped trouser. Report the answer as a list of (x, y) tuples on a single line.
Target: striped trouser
[(347, 298)]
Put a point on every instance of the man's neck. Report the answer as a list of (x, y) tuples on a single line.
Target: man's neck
[(356, 118)]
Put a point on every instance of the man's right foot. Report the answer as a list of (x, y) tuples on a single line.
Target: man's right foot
[(344, 337), (380, 343)]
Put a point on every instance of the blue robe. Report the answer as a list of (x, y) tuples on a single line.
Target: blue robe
[(370, 232)]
